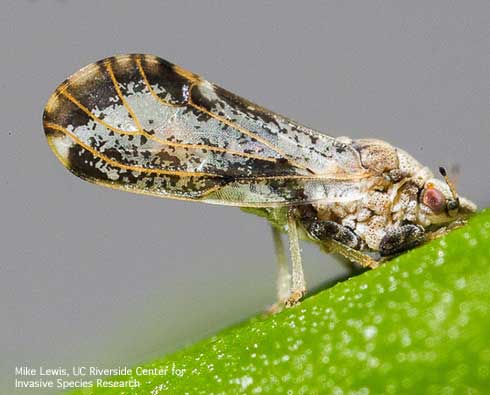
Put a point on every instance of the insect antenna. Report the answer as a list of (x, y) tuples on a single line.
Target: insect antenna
[(454, 203)]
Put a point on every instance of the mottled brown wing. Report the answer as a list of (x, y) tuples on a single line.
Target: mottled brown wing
[(141, 124)]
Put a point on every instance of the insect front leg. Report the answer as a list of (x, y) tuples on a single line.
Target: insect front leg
[(298, 284), (341, 240), (401, 238), (444, 230)]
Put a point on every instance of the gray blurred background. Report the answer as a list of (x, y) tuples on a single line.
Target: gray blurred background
[(94, 276)]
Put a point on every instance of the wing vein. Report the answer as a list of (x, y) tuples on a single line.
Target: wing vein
[(152, 91), (121, 96), (198, 174), (245, 131), (215, 116), (114, 163), (156, 139)]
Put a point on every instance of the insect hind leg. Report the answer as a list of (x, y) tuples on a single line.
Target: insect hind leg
[(290, 287), (298, 284), (283, 276)]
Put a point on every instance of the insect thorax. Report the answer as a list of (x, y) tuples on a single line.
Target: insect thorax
[(387, 199)]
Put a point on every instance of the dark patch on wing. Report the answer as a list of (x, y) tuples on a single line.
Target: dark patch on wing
[(247, 107), (161, 73), (340, 147), (258, 168), (127, 75), (85, 165), (94, 90), (63, 112)]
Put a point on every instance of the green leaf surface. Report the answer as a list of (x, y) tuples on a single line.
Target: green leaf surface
[(418, 325)]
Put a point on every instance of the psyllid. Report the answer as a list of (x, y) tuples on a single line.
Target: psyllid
[(141, 124)]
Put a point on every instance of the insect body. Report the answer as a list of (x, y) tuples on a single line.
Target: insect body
[(141, 124)]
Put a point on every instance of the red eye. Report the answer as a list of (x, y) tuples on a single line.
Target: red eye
[(434, 199)]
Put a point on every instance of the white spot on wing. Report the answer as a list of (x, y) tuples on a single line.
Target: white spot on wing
[(62, 145)]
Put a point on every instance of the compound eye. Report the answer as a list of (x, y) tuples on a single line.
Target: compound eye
[(435, 200)]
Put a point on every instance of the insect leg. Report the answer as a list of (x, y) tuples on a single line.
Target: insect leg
[(341, 240), (329, 230), (356, 256), (283, 276), (401, 239), (445, 230), (298, 284)]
